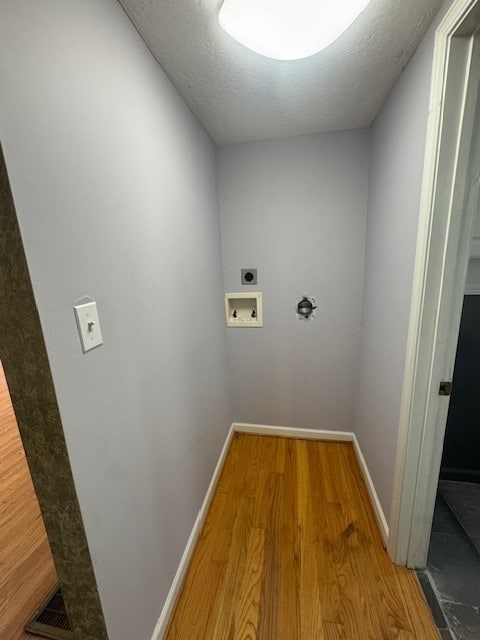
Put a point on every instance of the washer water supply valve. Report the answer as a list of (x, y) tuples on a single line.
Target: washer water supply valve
[(306, 308), (244, 309)]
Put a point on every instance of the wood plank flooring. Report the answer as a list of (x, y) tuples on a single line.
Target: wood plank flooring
[(27, 572), (291, 551)]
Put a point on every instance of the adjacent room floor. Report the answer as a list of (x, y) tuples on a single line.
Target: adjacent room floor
[(27, 572), (452, 578), (290, 550)]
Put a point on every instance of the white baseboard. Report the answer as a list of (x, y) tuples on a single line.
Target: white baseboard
[(377, 507), (293, 432), (259, 429), (170, 602)]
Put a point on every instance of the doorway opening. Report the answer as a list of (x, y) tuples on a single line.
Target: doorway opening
[(452, 574), (28, 569), (450, 202)]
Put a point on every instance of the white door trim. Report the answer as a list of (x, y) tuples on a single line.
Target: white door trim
[(447, 209)]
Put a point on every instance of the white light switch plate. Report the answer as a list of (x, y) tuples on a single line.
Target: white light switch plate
[(88, 325)]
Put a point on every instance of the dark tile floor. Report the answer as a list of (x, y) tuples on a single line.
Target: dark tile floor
[(453, 574), (463, 499)]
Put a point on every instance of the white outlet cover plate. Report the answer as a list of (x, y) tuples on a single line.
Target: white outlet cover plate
[(88, 325)]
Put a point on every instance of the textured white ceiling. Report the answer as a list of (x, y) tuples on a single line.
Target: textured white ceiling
[(239, 95)]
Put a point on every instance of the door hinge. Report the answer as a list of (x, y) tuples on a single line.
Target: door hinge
[(445, 388)]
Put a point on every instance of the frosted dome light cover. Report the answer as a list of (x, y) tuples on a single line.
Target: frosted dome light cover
[(288, 29)]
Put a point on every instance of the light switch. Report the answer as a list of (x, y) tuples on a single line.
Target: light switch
[(88, 325)]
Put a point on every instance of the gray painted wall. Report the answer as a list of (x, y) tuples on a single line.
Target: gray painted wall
[(114, 183), (397, 153), (295, 208)]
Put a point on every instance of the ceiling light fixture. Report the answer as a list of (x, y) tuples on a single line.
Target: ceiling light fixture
[(288, 29)]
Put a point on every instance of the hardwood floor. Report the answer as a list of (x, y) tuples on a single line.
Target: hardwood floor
[(290, 551), (27, 573)]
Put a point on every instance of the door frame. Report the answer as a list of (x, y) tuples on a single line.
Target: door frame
[(447, 211)]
